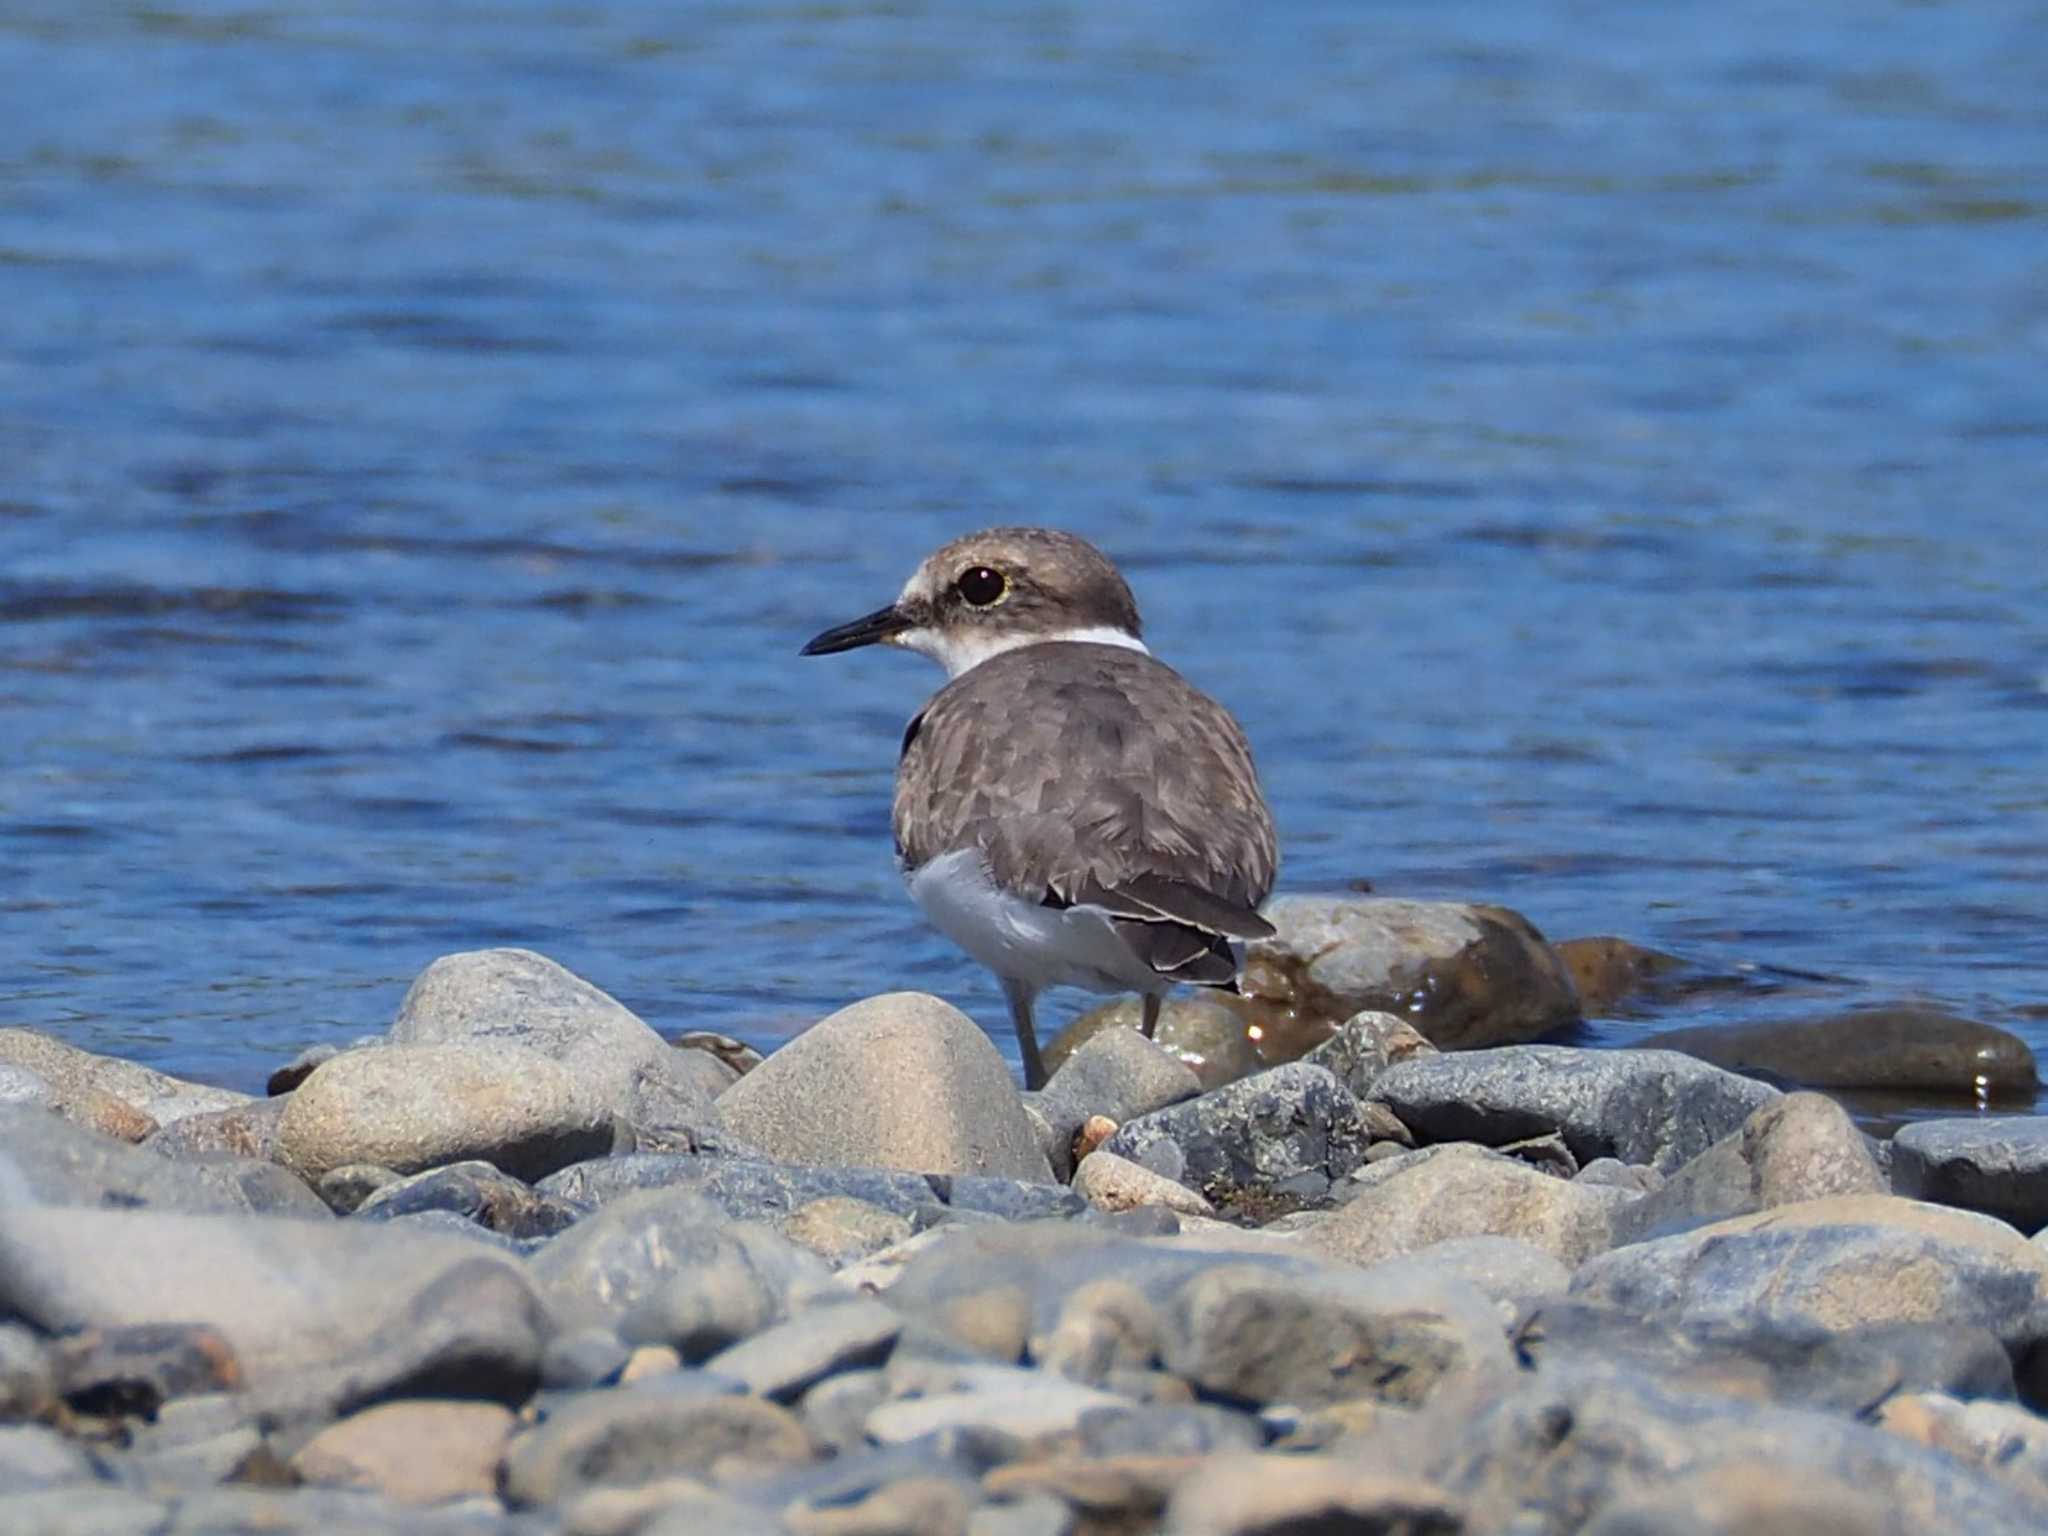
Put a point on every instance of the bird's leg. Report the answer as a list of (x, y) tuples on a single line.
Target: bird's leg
[(1150, 1019), (1021, 997)]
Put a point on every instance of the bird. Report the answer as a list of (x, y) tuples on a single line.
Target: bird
[(1069, 810)]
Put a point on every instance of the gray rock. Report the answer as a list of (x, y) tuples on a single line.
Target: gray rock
[(1104, 1327), (19, 1086), (1365, 1045), (76, 1073), (102, 1510), (246, 1130), (1760, 1498), (1260, 1146), (1003, 1399), (1465, 1191), (1038, 1514), (900, 1081), (410, 1108), (1464, 976), (622, 1438), (1515, 1275), (1164, 1429), (1246, 1495), (836, 1410), (317, 1512), (1117, 1073), (476, 1192), (1008, 1199), (789, 1359), (513, 997), (1654, 1107), (841, 1230), (1834, 1264), (1897, 1048), (347, 1187), (746, 1189), (336, 1313), (133, 1371), (1252, 1333), (46, 1158), (1112, 1183), (28, 1380), (1556, 1449), (1799, 1147), (1203, 1033), (32, 1456), (1998, 1165), (2002, 1439), (583, 1358), (672, 1264)]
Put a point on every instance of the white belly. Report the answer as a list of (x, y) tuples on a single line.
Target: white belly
[(1021, 940)]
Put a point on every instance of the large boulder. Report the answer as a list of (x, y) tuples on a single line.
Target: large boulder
[(516, 997), (1464, 975), (413, 1107), (902, 1081), (89, 1076), (1654, 1107), (48, 1158)]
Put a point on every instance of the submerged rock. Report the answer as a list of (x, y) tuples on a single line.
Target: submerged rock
[(1216, 1042), (1606, 970), (900, 1081), (1465, 976), (1898, 1048)]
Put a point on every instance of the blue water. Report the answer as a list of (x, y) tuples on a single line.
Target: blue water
[(1600, 451)]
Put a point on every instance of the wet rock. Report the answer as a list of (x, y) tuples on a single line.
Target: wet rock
[(1206, 1036), (1104, 1327), (20, 1087), (999, 1399), (900, 1081), (45, 1157), (415, 1452), (1266, 1144), (135, 1370), (787, 1360), (1253, 1495), (1899, 1048), (1613, 1173), (628, 1437), (1558, 1449), (1654, 1107), (83, 1078), (1253, 1334), (1365, 1045), (1112, 1183), (1800, 1147), (1834, 1264), (1998, 1165), (347, 1187), (322, 1311), (247, 1130), (410, 1108), (672, 1265), (1607, 970), (1464, 1191), (1117, 1074), (841, 1230), (477, 1192), (1464, 976), (499, 998)]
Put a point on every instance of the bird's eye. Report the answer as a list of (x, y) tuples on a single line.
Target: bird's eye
[(981, 586)]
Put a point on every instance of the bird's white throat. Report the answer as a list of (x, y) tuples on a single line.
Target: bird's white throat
[(963, 650)]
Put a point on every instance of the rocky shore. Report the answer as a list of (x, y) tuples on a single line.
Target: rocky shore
[(522, 1265)]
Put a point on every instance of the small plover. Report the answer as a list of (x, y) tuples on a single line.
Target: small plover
[(1069, 810)]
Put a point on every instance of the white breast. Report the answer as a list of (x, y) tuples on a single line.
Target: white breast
[(1023, 940)]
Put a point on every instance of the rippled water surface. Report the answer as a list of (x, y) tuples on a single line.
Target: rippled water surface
[(1600, 451)]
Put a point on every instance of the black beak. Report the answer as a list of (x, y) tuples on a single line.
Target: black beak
[(875, 627)]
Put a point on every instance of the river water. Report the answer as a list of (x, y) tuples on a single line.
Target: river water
[(1600, 452)]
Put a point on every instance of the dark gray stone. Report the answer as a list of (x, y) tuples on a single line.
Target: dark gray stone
[(669, 1266), (1157, 1429), (1897, 1048), (347, 1187), (583, 1358), (1006, 1199), (1365, 1045), (1116, 1073), (1998, 1165), (476, 1192), (1654, 1107), (1262, 1145), (787, 1360), (244, 1130)]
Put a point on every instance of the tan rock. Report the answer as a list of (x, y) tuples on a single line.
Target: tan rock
[(840, 1229), (911, 1506), (1753, 1498), (1253, 1495), (2002, 1439), (899, 1081), (650, 1360), (1095, 1130), (1458, 1191), (92, 1079), (413, 1107), (1112, 1183), (416, 1452)]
